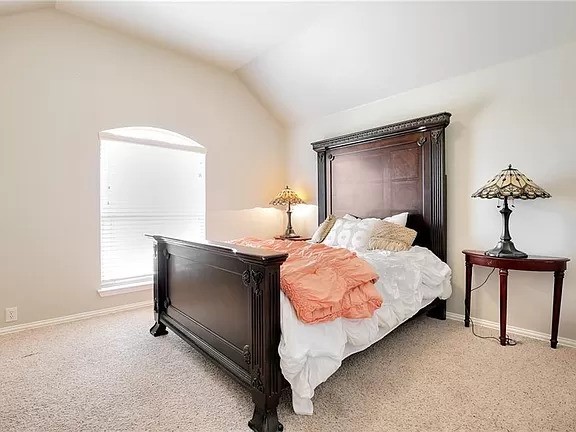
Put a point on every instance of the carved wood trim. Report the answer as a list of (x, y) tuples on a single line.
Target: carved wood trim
[(161, 301), (265, 311), (256, 277), (253, 279), (275, 331), (418, 124), (438, 195), (435, 135), (246, 278), (257, 379), (155, 288), (322, 205), (247, 355)]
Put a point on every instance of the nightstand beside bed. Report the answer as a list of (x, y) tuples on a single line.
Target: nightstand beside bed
[(532, 263)]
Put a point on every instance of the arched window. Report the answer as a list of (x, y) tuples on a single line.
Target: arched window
[(152, 181)]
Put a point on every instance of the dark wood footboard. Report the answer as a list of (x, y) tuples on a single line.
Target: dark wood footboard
[(225, 301)]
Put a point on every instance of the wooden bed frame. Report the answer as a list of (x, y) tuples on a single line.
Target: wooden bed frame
[(224, 299)]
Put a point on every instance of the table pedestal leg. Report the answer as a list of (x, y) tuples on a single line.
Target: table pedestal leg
[(467, 295), (503, 304), (558, 279)]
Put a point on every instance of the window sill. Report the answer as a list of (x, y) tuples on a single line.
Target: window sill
[(124, 289)]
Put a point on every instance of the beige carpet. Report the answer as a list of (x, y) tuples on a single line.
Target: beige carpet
[(109, 374)]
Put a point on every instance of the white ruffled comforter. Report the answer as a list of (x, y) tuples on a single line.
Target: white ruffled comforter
[(310, 353)]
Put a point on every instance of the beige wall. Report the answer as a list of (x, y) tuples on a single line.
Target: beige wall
[(62, 81), (522, 112)]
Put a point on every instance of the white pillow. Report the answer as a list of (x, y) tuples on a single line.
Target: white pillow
[(399, 219), (351, 234)]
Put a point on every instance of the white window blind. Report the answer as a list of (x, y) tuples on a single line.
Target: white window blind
[(147, 189)]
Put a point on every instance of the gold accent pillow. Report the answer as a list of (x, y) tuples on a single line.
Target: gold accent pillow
[(391, 237), (323, 229)]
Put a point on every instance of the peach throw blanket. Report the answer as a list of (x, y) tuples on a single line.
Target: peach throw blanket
[(324, 283)]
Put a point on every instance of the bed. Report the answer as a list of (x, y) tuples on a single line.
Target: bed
[(225, 300)]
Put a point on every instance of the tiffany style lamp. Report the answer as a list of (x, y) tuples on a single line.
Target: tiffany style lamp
[(288, 197), (510, 184)]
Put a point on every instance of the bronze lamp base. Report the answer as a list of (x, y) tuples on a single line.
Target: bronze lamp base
[(289, 233), (505, 247)]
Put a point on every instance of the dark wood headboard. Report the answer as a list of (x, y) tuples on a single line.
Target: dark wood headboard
[(387, 170)]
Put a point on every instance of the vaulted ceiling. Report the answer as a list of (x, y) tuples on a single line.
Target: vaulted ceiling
[(306, 60)]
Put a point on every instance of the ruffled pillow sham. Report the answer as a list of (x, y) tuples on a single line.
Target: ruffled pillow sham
[(351, 234)]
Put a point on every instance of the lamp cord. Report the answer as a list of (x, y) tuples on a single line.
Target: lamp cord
[(509, 340)]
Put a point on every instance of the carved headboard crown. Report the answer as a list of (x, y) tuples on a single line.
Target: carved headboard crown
[(387, 170)]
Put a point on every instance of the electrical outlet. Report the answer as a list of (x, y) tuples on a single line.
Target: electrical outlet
[(11, 314)]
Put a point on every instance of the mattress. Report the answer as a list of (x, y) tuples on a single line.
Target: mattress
[(311, 353)]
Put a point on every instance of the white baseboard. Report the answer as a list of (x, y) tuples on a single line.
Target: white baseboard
[(511, 329), (75, 317)]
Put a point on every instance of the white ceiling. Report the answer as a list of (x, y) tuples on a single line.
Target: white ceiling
[(9, 7), (375, 50), (230, 34), (306, 59)]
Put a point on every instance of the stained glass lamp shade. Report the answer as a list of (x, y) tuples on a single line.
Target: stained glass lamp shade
[(509, 184), (288, 197)]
